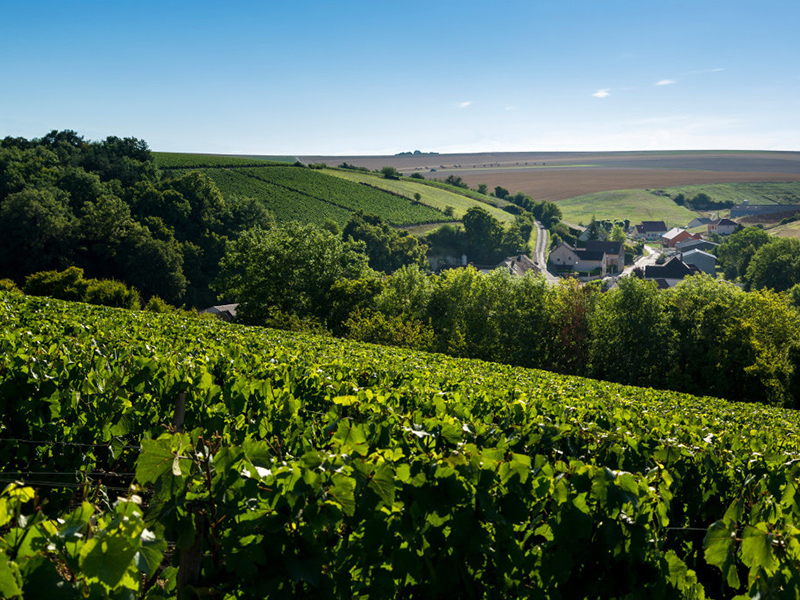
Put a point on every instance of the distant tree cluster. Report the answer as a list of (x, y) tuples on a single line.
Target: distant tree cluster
[(759, 260), (702, 201), (105, 208), (483, 238)]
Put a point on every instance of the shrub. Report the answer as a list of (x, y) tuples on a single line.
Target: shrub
[(157, 305), (64, 285), (7, 285), (108, 292)]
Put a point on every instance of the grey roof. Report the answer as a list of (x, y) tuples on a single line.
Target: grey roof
[(687, 245), (698, 252), (607, 247), (586, 254), (674, 268), (225, 312), (651, 226)]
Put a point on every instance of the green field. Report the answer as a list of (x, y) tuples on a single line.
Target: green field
[(318, 467), (788, 230), (634, 205), (177, 160), (303, 194), (432, 196), (755, 193)]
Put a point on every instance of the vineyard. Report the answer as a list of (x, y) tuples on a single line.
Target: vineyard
[(177, 160), (301, 194), (155, 455)]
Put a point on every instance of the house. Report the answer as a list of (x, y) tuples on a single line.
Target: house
[(687, 245), (698, 221), (704, 261), (566, 258), (226, 312), (650, 230), (520, 265), (673, 269), (614, 254), (675, 235), (722, 226)]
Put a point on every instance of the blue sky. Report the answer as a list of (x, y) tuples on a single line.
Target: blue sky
[(380, 77)]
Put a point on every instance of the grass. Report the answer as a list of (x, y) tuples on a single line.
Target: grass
[(431, 196), (635, 205), (756, 193), (788, 230)]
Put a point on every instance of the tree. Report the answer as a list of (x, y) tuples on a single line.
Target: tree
[(630, 334), (390, 173), (484, 234), (737, 250), (37, 232), (483, 188), (617, 234), (456, 181), (388, 249), (547, 213), (291, 268), (500, 192), (775, 266)]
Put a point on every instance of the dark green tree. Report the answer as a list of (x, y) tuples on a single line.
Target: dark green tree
[(388, 249), (737, 250), (775, 266), (291, 268)]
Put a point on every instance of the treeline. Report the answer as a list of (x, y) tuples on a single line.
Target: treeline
[(483, 239), (107, 209), (703, 337), (761, 261), (702, 201)]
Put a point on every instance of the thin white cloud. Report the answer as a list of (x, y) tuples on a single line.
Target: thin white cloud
[(511, 108), (604, 93), (464, 104), (665, 82)]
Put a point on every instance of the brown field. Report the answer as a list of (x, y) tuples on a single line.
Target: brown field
[(561, 175)]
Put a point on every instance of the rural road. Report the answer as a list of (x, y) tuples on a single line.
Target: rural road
[(649, 258), (540, 252)]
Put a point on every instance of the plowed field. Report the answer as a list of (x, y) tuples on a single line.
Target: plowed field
[(561, 175)]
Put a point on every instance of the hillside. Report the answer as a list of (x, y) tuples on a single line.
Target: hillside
[(435, 197), (336, 469), (634, 205), (299, 193)]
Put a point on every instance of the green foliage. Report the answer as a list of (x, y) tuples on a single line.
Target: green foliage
[(291, 268), (500, 192), (737, 249), (390, 173), (629, 330), (8, 285), (456, 181), (387, 248), (485, 239), (399, 331), (775, 265), (319, 467), (71, 285), (84, 553)]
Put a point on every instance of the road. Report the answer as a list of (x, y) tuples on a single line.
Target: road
[(649, 258), (540, 252)]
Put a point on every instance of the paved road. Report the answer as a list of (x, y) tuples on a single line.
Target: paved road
[(649, 258), (540, 252)]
